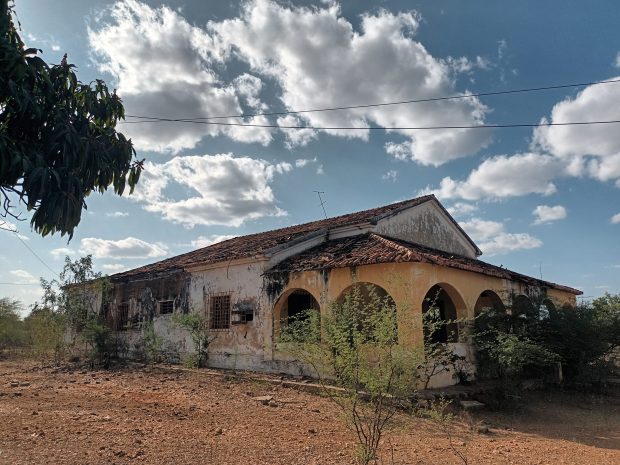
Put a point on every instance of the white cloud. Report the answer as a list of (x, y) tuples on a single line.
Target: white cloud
[(508, 242), (62, 252), (503, 176), (548, 214), (211, 189), (114, 267), (301, 162), (117, 214), (295, 137), (494, 240), (164, 66), (617, 60), (205, 241), (592, 150), (129, 247), (615, 219), (24, 277), (314, 53), (462, 209), (391, 175)]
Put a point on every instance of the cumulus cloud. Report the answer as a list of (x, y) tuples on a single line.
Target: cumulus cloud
[(24, 277), (592, 150), (205, 241), (314, 53), (129, 247), (116, 214), (494, 240), (210, 189), (615, 219), (462, 209), (503, 176), (295, 137), (62, 252), (114, 267), (549, 214), (164, 66), (391, 175)]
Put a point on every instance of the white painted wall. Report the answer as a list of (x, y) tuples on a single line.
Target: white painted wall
[(427, 224)]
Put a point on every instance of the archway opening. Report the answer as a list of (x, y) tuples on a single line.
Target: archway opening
[(440, 325), (373, 309), (523, 313), (298, 304), (490, 312)]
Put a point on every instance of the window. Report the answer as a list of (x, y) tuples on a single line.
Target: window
[(166, 306), (122, 316), (243, 312), (219, 309)]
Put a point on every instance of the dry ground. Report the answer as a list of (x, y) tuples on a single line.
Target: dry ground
[(169, 416)]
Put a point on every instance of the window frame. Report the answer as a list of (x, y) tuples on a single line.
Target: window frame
[(121, 320), (167, 301), (223, 320)]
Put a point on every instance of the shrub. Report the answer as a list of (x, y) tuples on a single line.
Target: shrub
[(359, 351)]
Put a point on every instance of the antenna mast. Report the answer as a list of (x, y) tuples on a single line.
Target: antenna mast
[(322, 202)]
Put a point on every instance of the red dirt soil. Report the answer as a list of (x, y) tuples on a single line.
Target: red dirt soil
[(172, 416)]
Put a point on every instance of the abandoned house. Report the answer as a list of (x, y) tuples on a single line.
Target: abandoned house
[(247, 287)]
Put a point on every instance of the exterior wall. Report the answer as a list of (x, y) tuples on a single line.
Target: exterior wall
[(427, 224), (408, 284), (253, 345)]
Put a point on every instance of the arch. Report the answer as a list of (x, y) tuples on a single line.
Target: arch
[(489, 300), (449, 306), (366, 299), (490, 312), (548, 308), (293, 303)]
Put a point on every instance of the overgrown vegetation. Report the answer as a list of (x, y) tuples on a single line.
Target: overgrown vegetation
[(534, 336), (356, 347), (198, 329)]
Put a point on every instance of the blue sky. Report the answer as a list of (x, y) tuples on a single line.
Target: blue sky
[(534, 199)]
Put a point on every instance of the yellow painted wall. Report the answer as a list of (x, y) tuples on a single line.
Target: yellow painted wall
[(408, 284)]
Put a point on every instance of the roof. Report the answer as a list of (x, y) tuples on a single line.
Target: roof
[(371, 248), (257, 244)]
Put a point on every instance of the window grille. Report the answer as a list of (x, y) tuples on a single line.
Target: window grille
[(122, 316), (219, 312), (166, 306)]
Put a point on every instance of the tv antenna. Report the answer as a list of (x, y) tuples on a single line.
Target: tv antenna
[(322, 202)]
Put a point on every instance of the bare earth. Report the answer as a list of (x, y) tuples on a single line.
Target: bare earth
[(171, 416)]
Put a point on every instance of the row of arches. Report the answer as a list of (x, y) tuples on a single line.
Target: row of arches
[(442, 298)]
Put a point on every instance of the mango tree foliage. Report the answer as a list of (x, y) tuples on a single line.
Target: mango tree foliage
[(58, 141)]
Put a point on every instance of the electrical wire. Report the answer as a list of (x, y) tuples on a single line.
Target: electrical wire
[(14, 231), (401, 102), (378, 128)]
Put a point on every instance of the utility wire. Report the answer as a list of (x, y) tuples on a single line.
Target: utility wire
[(384, 104), (378, 128), (16, 232)]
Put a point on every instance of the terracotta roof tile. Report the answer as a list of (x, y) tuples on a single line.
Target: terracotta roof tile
[(368, 249), (257, 244)]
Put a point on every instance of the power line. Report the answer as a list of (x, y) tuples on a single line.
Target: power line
[(378, 128), (16, 232), (384, 104)]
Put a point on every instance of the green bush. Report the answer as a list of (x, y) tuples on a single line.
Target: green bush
[(12, 330), (528, 340)]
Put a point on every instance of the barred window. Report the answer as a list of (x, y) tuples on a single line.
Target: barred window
[(166, 306), (219, 309), (122, 316)]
